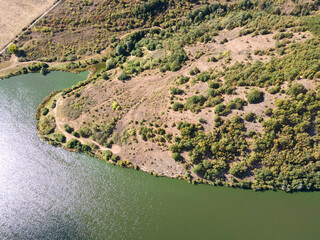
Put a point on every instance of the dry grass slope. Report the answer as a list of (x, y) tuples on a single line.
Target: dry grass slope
[(16, 14)]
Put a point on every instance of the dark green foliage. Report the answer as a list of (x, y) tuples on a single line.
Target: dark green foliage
[(182, 79), (220, 109), (35, 67), (102, 133), (255, 96), (194, 71), (177, 157), (115, 158), (105, 76), (68, 129), (214, 85), (194, 103), (177, 106), (47, 125), (199, 14), (123, 76), (296, 89), (237, 103), (203, 77), (146, 133), (199, 169), (274, 90), (107, 155), (250, 117), (238, 169), (13, 49), (75, 134), (313, 24), (176, 91), (85, 132), (77, 145), (149, 8), (60, 138), (44, 111), (282, 35), (222, 145), (73, 144)]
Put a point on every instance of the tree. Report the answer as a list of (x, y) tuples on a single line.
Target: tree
[(13, 49)]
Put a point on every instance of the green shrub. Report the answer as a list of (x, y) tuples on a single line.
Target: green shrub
[(176, 91), (123, 76), (115, 158), (85, 132), (73, 144), (199, 169), (107, 155), (68, 129), (238, 169), (47, 125), (250, 117), (220, 109), (177, 106), (255, 96), (274, 90), (116, 106), (75, 134), (296, 89), (59, 137), (177, 157), (44, 111), (195, 102)]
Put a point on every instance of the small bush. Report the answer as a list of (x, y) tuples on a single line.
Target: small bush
[(296, 89), (250, 117), (274, 90), (68, 129), (123, 76), (176, 91), (85, 132), (44, 111), (60, 137), (177, 157), (116, 106), (177, 106), (255, 96), (107, 155)]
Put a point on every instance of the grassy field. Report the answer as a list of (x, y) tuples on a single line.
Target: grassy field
[(16, 14)]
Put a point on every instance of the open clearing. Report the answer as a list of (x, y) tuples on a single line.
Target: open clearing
[(16, 14)]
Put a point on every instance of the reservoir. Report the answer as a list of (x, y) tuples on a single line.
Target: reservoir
[(49, 193)]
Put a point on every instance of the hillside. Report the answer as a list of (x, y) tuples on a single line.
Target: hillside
[(15, 15), (225, 93)]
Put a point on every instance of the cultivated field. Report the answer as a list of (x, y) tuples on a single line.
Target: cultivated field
[(16, 14)]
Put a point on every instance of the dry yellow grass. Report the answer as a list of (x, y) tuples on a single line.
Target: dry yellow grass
[(17, 14)]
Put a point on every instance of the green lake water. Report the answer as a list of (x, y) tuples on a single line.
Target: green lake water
[(49, 193)]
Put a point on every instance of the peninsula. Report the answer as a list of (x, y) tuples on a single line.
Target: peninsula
[(217, 92)]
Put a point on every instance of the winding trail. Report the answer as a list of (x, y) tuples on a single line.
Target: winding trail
[(115, 149)]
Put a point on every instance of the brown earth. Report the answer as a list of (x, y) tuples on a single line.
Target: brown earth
[(146, 97), (16, 14)]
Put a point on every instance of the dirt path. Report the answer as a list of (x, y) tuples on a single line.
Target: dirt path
[(31, 25), (16, 63), (114, 149)]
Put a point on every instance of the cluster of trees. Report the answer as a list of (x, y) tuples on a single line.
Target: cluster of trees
[(153, 134), (78, 146)]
